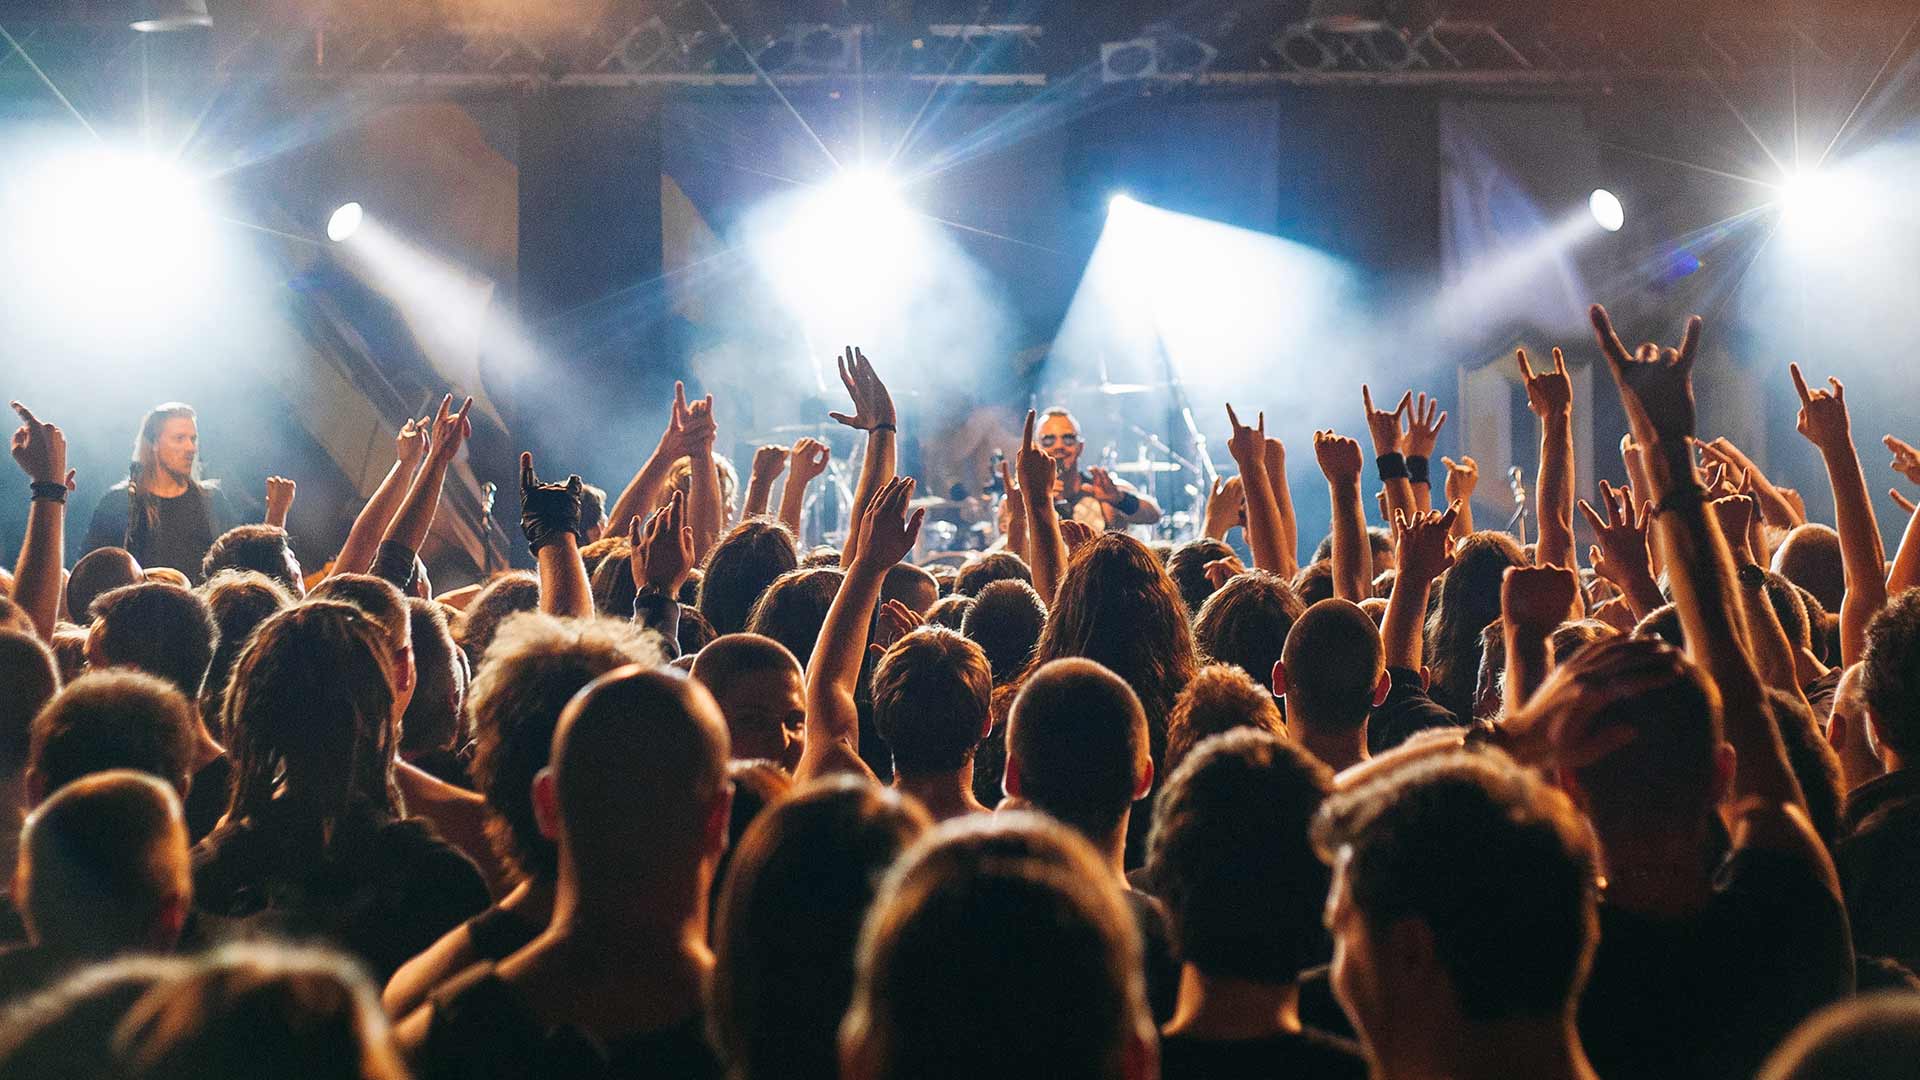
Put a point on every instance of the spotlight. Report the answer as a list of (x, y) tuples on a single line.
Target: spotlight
[(1606, 209), (344, 222), (1120, 201), (161, 16), (1827, 207)]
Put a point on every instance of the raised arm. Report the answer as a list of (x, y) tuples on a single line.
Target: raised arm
[(1906, 560), (1249, 449), (1775, 509), (660, 561), (1283, 501), (1016, 507), (1389, 451), (642, 493), (1550, 396), (1463, 477), (280, 492), (872, 413), (1226, 507), (408, 530), (1424, 422), (1622, 555), (768, 463), (1046, 546), (706, 509), (41, 452), (808, 461), (1823, 420), (1534, 601), (550, 520), (1424, 550), (1339, 459), (1656, 389), (887, 533), (363, 539)]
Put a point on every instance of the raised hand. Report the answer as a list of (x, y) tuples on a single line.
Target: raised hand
[(872, 405), (808, 460), (1221, 571), (1656, 385), (1339, 457), (1549, 393), (1226, 506), (687, 430), (1076, 534), (1538, 598), (768, 463), (547, 511), (1622, 555), (1735, 513), (1556, 725), (1463, 477), (662, 557), (1384, 426), (450, 429), (1248, 445), (410, 445), (1823, 413), (896, 620), (1906, 459), (888, 532), (1102, 484), (1424, 421), (1423, 544), (41, 450), (280, 492), (1034, 467), (1905, 504)]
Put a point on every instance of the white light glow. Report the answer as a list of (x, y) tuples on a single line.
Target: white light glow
[(344, 222), (1120, 201), (1829, 208), (1606, 209)]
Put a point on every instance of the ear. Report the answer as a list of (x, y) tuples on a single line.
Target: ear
[(404, 677), (1145, 783), (1426, 677), (546, 805), (1010, 782), (1279, 677), (1382, 688)]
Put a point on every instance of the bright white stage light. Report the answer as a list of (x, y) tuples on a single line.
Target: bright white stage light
[(344, 222), (845, 245), (1120, 201), (1606, 209)]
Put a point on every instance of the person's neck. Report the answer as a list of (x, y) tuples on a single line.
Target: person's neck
[(1537, 1048), (946, 795), (664, 919), (1224, 1008), (1339, 747), (166, 484), (1661, 875)]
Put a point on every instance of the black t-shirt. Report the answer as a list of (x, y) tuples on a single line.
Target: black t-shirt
[(497, 933), (1712, 995), (381, 891), (1162, 966), (1305, 1055), (186, 528), (208, 796), (480, 1027), (28, 969)]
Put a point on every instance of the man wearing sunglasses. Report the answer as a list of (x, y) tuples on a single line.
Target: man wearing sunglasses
[(1094, 498)]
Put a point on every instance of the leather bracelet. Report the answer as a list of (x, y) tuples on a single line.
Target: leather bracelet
[(1752, 576), (1417, 469), (1128, 503), (49, 491), (1392, 466), (1692, 495), (883, 427)]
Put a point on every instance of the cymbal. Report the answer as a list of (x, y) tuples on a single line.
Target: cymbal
[(1110, 389), (1144, 468)]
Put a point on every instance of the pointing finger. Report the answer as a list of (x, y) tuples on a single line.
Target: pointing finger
[(1800, 384), (1526, 369)]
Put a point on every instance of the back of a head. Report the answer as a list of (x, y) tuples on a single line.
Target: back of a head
[(985, 927), (239, 601), (15, 617), (1495, 864), (1231, 855), (910, 585), (384, 604), (1006, 620), (434, 719), (261, 548), (536, 665), (507, 593), (1469, 600), (163, 630), (1077, 745), (740, 568), (1314, 583), (1220, 698), (261, 1011), (732, 657), (103, 866), (1875, 1035), (1246, 623), (1790, 609), (639, 768), (793, 608), (983, 570), (98, 571), (1333, 660), (1188, 568), (950, 612), (29, 677), (801, 882), (1890, 676), (113, 720), (1810, 558), (1663, 778), (932, 696), (309, 715)]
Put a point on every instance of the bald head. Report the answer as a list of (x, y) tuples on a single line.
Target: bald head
[(1077, 745), (98, 571), (103, 865), (1810, 558), (1332, 665), (639, 776)]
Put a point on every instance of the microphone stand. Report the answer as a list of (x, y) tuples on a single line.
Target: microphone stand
[(485, 523), (1517, 481)]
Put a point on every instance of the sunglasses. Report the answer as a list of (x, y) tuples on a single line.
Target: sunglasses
[(1069, 439)]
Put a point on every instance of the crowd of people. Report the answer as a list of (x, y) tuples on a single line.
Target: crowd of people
[(691, 800)]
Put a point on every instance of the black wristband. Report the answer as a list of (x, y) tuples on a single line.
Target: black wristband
[(1392, 466), (1128, 503), (1691, 495), (883, 427), (1417, 470), (49, 491), (1751, 576)]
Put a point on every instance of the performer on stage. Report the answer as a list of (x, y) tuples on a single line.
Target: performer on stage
[(1094, 498), (163, 512)]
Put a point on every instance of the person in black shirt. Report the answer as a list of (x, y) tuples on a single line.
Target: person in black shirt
[(637, 798), (163, 513), (1879, 854), (1230, 855)]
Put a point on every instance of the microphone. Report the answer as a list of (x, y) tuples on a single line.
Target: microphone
[(1517, 481), (487, 491)]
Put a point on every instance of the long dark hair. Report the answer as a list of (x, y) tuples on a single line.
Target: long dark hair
[(309, 712), (143, 516), (1117, 606), (1469, 600)]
